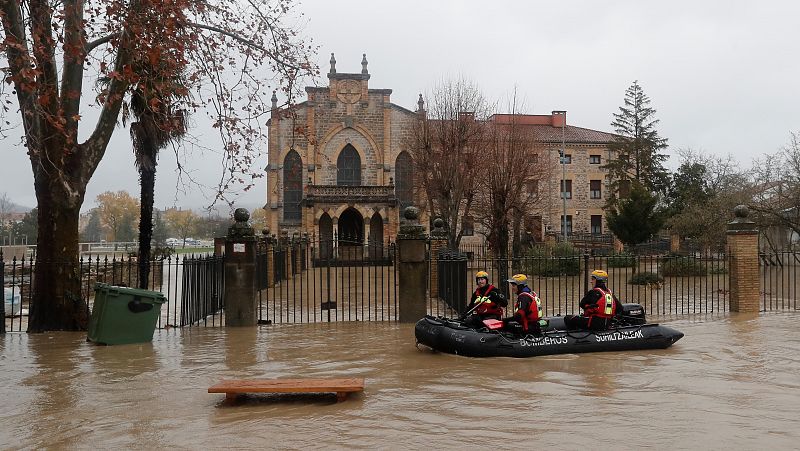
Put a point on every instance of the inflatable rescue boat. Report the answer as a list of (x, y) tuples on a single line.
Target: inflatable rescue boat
[(631, 333)]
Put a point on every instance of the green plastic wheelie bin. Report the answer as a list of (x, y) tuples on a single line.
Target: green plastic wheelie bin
[(124, 315)]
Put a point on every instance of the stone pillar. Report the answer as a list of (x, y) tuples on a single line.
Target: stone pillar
[(438, 241), (744, 273), (674, 243), (270, 250), (412, 268), (241, 303), (219, 246)]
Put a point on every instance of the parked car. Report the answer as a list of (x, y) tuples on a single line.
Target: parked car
[(12, 300), (172, 242)]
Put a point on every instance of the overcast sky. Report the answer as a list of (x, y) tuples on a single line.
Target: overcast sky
[(722, 75)]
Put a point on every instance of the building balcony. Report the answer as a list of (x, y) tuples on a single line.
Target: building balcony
[(334, 194)]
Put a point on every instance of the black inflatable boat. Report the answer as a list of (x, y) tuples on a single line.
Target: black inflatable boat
[(451, 336)]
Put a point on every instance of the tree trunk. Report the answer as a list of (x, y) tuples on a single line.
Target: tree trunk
[(148, 182), (57, 303)]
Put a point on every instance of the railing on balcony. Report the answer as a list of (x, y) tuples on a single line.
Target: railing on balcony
[(339, 194)]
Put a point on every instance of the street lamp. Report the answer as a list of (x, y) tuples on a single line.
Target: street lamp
[(563, 175)]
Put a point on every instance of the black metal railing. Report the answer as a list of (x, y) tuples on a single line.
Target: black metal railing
[(192, 284), (780, 280), (664, 285), (357, 282)]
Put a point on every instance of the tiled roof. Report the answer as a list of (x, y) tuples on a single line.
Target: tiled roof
[(572, 134)]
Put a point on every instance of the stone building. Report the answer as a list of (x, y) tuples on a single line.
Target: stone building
[(584, 182), (337, 165)]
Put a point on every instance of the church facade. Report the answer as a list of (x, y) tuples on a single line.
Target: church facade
[(337, 164)]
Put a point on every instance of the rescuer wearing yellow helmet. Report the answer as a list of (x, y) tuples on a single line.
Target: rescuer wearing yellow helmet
[(487, 302), (527, 310), (599, 305)]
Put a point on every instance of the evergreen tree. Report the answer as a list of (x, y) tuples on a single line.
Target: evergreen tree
[(636, 219), (93, 232), (636, 149)]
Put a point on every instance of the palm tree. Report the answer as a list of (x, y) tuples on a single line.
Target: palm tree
[(158, 123)]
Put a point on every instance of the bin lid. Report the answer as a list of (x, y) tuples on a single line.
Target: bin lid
[(156, 296)]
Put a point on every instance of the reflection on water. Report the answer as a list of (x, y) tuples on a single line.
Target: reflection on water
[(731, 382)]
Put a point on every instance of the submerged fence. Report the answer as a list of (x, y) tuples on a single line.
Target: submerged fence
[(192, 284), (327, 281), (663, 284)]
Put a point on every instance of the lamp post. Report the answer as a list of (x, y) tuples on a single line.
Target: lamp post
[(563, 177)]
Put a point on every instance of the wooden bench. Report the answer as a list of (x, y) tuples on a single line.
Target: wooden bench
[(233, 388)]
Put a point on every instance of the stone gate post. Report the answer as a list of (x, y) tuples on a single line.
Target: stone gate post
[(412, 268), (438, 241), (241, 304), (744, 271)]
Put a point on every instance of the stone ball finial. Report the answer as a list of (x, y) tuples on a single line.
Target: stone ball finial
[(741, 211), (265, 232), (438, 223), (241, 215), (411, 213)]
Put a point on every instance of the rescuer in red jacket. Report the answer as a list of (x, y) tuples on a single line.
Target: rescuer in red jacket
[(487, 302), (599, 305), (527, 309)]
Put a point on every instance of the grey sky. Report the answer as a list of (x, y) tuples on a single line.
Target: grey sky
[(722, 74)]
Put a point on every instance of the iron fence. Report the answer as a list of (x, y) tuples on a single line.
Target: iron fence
[(342, 281), (779, 280), (663, 284), (192, 284)]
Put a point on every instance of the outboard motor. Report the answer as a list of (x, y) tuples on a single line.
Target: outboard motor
[(632, 314)]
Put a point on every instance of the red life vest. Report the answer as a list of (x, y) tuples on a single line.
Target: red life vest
[(534, 311), (486, 308), (606, 307)]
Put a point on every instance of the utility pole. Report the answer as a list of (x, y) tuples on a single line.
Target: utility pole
[(564, 175)]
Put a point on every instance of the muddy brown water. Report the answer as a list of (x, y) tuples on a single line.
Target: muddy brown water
[(732, 383)]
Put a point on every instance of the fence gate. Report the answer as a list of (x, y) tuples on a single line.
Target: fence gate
[(329, 280)]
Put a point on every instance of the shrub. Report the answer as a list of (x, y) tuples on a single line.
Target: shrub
[(621, 260), (645, 278), (682, 266), (561, 259)]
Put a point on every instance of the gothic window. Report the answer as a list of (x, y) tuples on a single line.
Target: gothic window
[(348, 167), (292, 187), (404, 183)]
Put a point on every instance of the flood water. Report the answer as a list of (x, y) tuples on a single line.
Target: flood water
[(731, 382)]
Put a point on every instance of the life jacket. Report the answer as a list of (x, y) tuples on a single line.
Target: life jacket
[(534, 311), (606, 307), (486, 308)]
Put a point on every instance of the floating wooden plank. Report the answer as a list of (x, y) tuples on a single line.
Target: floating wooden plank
[(341, 387)]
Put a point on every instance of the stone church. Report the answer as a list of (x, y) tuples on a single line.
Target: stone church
[(337, 165), (338, 170)]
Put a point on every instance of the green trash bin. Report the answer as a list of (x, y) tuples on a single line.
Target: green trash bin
[(124, 315)]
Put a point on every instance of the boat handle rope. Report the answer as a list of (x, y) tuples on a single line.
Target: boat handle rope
[(535, 339)]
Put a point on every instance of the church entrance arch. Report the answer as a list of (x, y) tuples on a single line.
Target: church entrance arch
[(376, 236), (350, 234), (325, 237)]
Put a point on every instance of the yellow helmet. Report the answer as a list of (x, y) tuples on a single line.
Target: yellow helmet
[(599, 274), (482, 275), (518, 279)]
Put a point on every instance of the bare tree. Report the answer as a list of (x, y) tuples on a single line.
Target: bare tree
[(509, 177), (234, 52), (776, 188), (446, 147)]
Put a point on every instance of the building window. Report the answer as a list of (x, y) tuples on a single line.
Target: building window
[(566, 193), (533, 187), (595, 191), (404, 183), (348, 167), (597, 225), (624, 189), (292, 187), (594, 159), (566, 159), (568, 224), (468, 225)]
